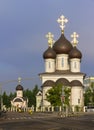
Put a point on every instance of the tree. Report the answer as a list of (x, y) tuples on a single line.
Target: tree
[(67, 92), (92, 86), (28, 94), (89, 95), (31, 95), (34, 93), (59, 95), (6, 100), (11, 96), (54, 95)]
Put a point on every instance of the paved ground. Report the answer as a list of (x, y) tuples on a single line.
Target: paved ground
[(46, 121)]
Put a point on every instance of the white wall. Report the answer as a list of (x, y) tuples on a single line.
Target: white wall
[(77, 96)]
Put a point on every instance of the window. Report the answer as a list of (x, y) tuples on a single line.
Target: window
[(49, 65), (78, 101), (75, 65), (62, 62)]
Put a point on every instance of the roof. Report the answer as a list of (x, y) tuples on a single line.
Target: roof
[(75, 53), (60, 72), (19, 87), (75, 83), (48, 83), (18, 100), (49, 53), (62, 45), (63, 81)]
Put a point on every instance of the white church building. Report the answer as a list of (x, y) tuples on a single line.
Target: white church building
[(19, 102), (62, 61)]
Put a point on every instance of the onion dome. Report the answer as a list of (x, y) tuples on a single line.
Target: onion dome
[(48, 83), (63, 81), (19, 87), (76, 83), (75, 53), (18, 100), (62, 45), (49, 53)]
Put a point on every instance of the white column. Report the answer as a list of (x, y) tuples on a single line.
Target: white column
[(77, 96)]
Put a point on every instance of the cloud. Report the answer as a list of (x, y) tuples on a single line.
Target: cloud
[(7, 71), (24, 24)]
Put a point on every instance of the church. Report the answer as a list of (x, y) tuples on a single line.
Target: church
[(19, 102), (62, 61)]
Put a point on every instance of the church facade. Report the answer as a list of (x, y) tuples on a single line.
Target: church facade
[(19, 102), (62, 61)]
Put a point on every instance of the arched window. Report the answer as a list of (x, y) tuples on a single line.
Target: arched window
[(49, 65), (62, 62), (75, 65)]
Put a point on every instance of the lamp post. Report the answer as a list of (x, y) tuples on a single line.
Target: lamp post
[(62, 100)]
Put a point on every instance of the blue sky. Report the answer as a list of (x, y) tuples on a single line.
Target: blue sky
[(23, 26)]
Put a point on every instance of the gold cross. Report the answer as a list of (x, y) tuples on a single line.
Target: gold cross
[(62, 20), (74, 36), (50, 38), (19, 79)]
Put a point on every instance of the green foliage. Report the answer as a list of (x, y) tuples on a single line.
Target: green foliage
[(77, 108), (54, 95), (89, 95), (30, 94), (5, 100), (67, 95), (34, 92)]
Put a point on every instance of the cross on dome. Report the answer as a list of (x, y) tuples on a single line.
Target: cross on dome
[(50, 38), (62, 20), (19, 79), (74, 36)]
